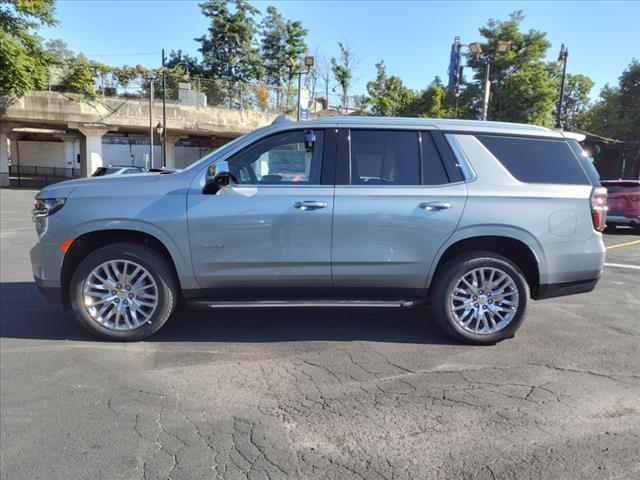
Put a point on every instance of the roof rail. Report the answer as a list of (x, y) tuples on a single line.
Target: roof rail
[(282, 118)]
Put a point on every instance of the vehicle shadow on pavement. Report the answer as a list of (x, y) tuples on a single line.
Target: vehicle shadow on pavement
[(24, 313)]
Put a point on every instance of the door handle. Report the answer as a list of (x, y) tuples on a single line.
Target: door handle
[(310, 205), (430, 206)]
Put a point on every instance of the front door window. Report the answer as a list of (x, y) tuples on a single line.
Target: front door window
[(286, 158)]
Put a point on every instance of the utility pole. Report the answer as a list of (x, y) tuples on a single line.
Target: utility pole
[(562, 57), (164, 113), (487, 88)]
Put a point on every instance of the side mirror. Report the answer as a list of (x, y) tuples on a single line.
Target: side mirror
[(218, 175)]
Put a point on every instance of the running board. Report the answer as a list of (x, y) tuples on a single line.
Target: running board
[(214, 304)]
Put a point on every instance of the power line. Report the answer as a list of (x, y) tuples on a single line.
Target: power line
[(605, 139)]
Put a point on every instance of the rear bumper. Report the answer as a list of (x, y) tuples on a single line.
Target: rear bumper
[(551, 290)]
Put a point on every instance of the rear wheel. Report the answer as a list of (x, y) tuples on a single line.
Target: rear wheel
[(124, 291), (480, 297)]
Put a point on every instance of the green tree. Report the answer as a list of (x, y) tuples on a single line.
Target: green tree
[(59, 49), (523, 88), (228, 49), (576, 99), (617, 112), (432, 102), (23, 62), (387, 95), (188, 63), (124, 75), (281, 39), (80, 77), (343, 70)]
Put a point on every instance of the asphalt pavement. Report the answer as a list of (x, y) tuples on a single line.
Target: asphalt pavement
[(321, 394)]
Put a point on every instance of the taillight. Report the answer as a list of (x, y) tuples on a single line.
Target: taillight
[(599, 208)]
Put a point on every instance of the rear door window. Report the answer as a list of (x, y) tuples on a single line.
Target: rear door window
[(384, 157), (433, 172), (536, 160)]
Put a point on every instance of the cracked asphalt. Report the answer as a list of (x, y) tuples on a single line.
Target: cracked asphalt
[(319, 394)]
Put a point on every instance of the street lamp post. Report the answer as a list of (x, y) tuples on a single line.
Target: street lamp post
[(562, 58), (164, 113), (501, 47), (308, 63)]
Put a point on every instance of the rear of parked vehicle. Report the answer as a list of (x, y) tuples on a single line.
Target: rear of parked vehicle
[(472, 218), (624, 203)]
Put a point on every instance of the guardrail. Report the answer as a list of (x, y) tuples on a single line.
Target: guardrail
[(33, 175)]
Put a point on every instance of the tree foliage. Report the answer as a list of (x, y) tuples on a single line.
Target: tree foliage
[(522, 87), (576, 99), (281, 39), (80, 77), (432, 102), (228, 49), (59, 49), (387, 95), (23, 61), (617, 112), (343, 70)]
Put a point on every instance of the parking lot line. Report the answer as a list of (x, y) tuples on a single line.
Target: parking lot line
[(620, 265), (634, 242)]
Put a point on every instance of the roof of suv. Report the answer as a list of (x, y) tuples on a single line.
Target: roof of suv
[(475, 126)]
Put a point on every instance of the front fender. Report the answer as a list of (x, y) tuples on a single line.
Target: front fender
[(176, 242)]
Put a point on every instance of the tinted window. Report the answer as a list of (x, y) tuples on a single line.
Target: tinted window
[(536, 160), (284, 158), (586, 163), (384, 157), (105, 171), (433, 172)]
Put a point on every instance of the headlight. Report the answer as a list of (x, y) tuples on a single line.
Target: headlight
[(44, 207)]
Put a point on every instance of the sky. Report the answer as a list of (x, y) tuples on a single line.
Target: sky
[(412, 37)]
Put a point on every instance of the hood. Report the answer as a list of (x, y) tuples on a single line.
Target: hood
[(116, 182)]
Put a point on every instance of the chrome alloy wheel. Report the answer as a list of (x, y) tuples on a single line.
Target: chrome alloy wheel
[(120, 295), (484, 300)]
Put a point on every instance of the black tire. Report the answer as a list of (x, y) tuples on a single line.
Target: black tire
[(446, 280), (157, 267)]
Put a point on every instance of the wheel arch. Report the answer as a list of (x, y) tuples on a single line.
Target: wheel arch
[(89, 242), (524, 252)]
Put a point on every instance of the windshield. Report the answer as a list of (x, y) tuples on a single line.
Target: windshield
[(104, 171)]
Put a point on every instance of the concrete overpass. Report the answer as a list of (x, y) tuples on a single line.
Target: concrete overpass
[(75, 119)]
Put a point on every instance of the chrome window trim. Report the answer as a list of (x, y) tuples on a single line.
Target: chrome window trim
[(463, 162)]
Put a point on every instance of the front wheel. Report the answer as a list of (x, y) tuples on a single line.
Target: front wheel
[(123, 291), (480, 297)]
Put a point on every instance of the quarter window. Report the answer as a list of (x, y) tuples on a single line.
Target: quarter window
[(384, 157), (536, 160), (286, 158)]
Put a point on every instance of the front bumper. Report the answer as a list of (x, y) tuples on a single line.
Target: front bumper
[(52, 294), (46, 262)]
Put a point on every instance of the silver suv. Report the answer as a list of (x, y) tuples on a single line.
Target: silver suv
[(473, 218)]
